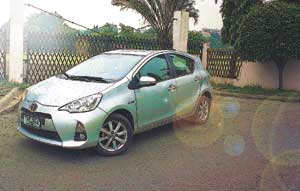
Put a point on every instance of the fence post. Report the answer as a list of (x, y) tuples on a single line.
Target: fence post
[(232, 64), (180, 30), (107, 42), (16, 41), (204, 54)]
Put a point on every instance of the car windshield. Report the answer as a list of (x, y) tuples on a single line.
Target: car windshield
[(108, 67)]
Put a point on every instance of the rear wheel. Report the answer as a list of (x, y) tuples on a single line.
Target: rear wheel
[(115, 136), (202, 112)]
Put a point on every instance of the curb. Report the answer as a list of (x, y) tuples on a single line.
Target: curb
[(11, 100), (257, 97)]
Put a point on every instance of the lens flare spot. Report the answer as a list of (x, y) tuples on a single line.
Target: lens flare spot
[(287, 158), (230, 107), (270, 180), (201, 136), (234, 145), (275, 129), (281, 178)]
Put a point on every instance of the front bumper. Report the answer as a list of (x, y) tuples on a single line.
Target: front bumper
[(63, 125)]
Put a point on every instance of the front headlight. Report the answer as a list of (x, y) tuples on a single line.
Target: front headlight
[(84, 104)]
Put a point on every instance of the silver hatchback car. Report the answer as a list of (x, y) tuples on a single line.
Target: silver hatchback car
[(105, 100)]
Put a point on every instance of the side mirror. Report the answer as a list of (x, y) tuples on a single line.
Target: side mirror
[(144, 81), (147, 81)]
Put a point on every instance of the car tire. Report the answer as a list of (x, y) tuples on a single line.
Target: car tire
[(115, 136), (202, 111)]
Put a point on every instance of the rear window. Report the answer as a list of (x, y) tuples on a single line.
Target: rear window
[(183, 65)]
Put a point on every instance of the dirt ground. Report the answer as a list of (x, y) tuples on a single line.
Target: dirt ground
[(4, 90), (246, 145)]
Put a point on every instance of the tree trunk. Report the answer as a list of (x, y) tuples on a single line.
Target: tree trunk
[(164, 40), (280, 65)]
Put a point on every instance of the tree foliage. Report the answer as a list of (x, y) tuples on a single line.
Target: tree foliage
[(149, 33), (159, 13), (271, 32), (127, 31), (197, 36), (233, 12), (108, 29), (43, 22), (215, 41)]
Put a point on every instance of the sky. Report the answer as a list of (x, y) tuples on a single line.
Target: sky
[(99, 12)]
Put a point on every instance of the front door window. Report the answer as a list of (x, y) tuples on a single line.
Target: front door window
[(157, 68)]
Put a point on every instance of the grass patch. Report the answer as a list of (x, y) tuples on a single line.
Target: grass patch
[(6, 87), (4, 83), (256, 90)]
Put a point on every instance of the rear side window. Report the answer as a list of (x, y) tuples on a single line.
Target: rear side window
[(182, 64), (157, 68)]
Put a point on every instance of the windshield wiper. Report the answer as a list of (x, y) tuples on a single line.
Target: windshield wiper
[(66, 75), (88, 78)]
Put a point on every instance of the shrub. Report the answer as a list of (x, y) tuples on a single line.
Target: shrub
[(271, 32)]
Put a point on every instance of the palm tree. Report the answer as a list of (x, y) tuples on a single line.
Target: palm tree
[(159, 13)]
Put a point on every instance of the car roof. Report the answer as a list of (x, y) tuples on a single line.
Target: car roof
[(134, 52), (147, 52)]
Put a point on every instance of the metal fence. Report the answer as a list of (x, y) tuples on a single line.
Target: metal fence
[(223, 63), (3, 54), (50, 54), (195, 48)]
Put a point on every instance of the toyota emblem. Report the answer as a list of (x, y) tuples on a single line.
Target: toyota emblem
[(33, 107)]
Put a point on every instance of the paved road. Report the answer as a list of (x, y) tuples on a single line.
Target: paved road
[(246, 145)]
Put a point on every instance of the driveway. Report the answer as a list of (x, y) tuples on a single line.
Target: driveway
[(246, 145)]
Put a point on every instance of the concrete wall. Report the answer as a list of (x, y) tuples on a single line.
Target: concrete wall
[(265, 75), (204, 54), (15, 69), (292, 76)]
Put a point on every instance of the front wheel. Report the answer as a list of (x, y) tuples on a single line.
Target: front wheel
[(202, 111), (115, 136)]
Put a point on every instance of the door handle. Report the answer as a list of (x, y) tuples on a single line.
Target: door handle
[(198, 78), (172, 88)]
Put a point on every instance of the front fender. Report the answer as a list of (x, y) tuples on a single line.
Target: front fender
[(119, 97)]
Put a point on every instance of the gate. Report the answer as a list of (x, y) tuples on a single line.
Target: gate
[(224, 63)]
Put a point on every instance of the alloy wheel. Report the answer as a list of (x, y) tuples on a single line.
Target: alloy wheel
[(113, 136), (203, 110)]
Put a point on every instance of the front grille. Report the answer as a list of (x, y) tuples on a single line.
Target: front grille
[(43, 133), (39, 132), (38, 114)]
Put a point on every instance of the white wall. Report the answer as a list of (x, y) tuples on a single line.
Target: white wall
[(265, 75)]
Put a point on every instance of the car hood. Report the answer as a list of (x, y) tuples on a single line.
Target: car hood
[(58, 92)]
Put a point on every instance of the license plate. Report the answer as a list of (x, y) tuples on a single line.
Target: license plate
[(31, 121)]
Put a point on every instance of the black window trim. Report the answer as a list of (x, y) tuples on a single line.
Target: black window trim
[(170, 65), (173, 66)]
